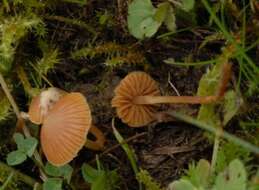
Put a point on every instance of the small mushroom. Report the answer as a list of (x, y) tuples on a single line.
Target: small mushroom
[(65, 124), (137, 93), (134, 85), (64, 129)]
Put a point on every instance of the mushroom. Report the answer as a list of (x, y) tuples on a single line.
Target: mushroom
[(137, 94), (66, 121)]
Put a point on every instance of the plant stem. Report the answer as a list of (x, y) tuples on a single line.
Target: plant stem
[(17, 112), (9, 96), (215, 149), (127, 149), (213, 130), (17, 174), (7, 181), (142, 100)]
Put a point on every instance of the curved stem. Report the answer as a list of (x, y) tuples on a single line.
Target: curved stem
[(19, 117), (141, 100), (225, 77), (9, 96), (225, 135), (98, 144), (218, 133)]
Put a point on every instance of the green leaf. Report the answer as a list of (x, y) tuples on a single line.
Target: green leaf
[(170, 20), (89, 173), (15, 158), (18, 138), (229, 151), (232, 104), (63, 171), (208, 85), (199, 175), (67, 171), (141, 19), (129, 152), (100, 182), (187, 5), (233, 178), (29, 145), (52, 184), (165, 13), (181, 185), (161, 11), (52, 170), (149, 26), (100, 179)]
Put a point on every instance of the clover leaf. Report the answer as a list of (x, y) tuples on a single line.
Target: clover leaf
[(141, 20), (52, 184), (63, 171), (25, 147)]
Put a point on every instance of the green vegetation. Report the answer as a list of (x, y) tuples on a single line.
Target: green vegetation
[(89, 46)]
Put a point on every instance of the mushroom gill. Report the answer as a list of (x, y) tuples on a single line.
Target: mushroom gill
[(64, 129), (134, 85)]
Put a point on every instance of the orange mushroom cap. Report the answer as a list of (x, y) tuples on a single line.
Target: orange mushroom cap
[(34, 113), (65, 128), (133, 85), (42, 103)]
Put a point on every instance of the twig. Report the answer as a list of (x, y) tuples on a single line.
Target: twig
[(17, 112), (9, 96), (112, 148), (124, 142), (172, 85)]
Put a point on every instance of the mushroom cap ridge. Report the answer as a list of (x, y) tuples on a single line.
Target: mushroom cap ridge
[(65, 128), (135, 84)]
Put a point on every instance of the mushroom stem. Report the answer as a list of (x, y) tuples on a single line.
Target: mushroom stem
[(226, 74), (98, 144), (143, 100), (225, 77)]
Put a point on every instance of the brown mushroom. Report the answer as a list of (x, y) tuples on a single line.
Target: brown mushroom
[(64, 129), (65, 126), (130, 87), (137, 94)]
